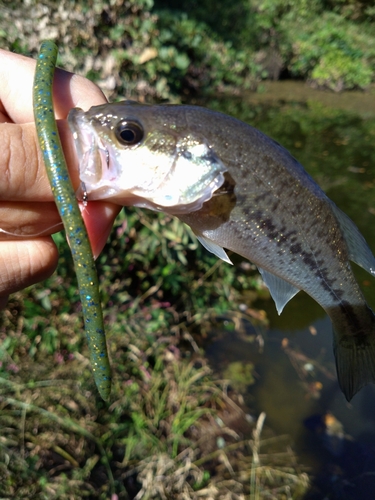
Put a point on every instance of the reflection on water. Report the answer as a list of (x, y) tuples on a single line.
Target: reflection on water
[(361, 103), (294, 408), (333, 136)]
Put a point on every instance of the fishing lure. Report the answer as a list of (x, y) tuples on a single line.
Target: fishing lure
[(67, 205)]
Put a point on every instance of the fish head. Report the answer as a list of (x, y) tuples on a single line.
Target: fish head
[(147, 156)]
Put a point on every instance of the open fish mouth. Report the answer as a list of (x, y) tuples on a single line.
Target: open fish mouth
[(92, 154)]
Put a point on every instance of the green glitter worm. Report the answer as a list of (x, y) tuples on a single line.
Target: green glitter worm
[(70, 214)]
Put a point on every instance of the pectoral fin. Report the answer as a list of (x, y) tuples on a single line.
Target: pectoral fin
[(280, 290), (214, 248)]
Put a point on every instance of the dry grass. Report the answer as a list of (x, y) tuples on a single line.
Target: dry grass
[(169, 432)]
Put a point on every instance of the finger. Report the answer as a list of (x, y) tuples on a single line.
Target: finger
[(99, 219), (22, 171), (25, 220), (23, 263), (24, 180), (16, 83)]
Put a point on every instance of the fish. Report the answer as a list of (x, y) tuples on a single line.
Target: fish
[(238, 190)]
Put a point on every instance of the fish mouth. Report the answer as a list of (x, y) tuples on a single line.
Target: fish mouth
[(179, 182), (93, 156)]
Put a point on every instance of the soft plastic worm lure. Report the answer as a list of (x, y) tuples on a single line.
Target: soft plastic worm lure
[(67, 205)]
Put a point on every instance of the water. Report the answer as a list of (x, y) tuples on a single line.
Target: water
[(333, 136)]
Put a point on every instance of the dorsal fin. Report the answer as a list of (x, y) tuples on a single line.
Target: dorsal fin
[(359, 252)]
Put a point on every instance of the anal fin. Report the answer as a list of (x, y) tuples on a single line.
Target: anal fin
[(280, 290)]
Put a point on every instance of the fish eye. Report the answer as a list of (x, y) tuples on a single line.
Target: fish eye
[(129, 133)]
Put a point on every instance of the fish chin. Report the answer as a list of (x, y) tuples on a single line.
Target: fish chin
[(178, 189), (196, 173)]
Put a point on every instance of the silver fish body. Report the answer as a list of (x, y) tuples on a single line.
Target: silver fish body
[(240, 190)]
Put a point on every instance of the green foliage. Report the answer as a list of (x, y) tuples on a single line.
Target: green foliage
[(163, 424), (213, 63), (162, 263), (332, 52), (129, 49), (158, 50), (338, 71), (329, 43), (229, 20)]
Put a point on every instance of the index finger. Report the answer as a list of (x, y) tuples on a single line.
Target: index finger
[(16, 84), (21, 163)]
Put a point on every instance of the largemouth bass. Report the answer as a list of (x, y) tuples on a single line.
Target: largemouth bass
[(240, 190)]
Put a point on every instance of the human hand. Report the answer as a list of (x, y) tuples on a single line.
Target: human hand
[(28, 214)]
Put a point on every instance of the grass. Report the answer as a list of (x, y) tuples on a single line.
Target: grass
[(170, 429), (72, 450), (152, 441)]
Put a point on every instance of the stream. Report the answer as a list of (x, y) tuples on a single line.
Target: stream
[(333, 136)]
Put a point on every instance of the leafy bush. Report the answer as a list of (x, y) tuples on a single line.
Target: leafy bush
[(211, 62), (338, 71), (331, 52), (128, 49), (331, 44)]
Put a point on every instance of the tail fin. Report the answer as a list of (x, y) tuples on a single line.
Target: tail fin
[(355, 359)]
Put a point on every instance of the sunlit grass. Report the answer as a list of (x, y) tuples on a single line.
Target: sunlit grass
[(162, 435), (169, 430)]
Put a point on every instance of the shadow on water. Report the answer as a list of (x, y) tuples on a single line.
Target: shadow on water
[(333, 136)]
